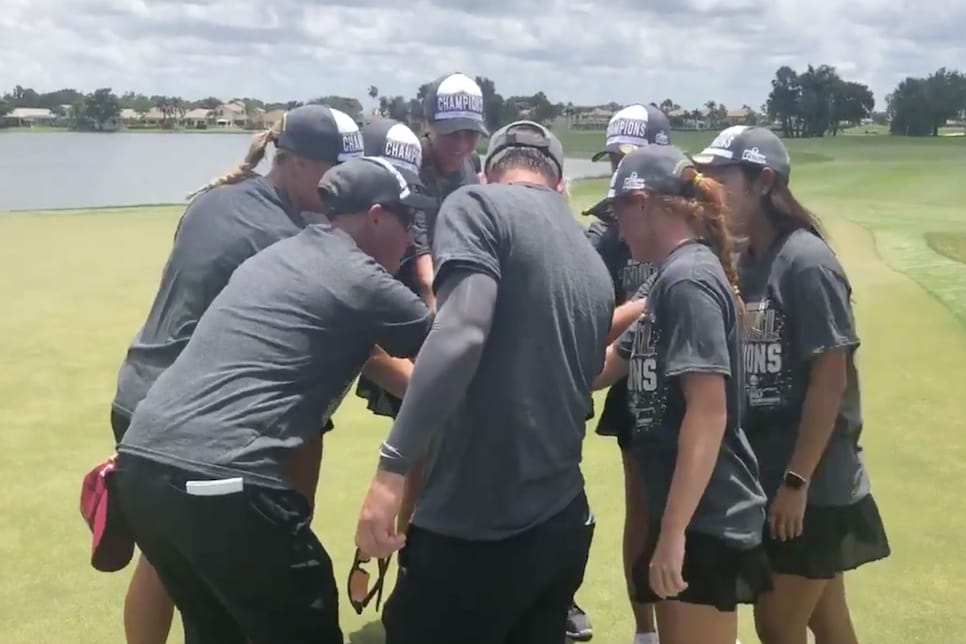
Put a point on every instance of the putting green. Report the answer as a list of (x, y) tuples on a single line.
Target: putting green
[(77, 284)]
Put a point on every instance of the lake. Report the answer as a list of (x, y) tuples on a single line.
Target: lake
[(77, 169)]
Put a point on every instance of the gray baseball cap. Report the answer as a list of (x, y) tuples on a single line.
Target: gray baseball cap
[(395, 142), (358, 184), (320, 133), (633, 127), (655, 168), (747, 145), (525, 134), (453, 103)]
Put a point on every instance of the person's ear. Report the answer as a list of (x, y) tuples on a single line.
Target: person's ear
[(563, 187), (766, 181), (374, 215)]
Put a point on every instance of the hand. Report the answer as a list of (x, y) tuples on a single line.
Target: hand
[(376, 534), (786, 517), (666, 565)]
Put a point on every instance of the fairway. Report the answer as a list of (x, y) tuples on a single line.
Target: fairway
[(76, 286)]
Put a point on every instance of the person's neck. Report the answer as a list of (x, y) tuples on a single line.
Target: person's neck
[(670, 242), (522, 175), (761, 235), (277, 181)]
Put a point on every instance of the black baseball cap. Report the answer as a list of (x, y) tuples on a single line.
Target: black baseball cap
[(395, 142), (655, 168), (358, 184), (320, 133), (747, 145), (633, 127), (525, 134), (453, 103)]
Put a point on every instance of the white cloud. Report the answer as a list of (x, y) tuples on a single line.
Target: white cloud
[(584, 51)]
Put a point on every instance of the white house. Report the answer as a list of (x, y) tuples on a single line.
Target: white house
[(29, 116), (231, 114)]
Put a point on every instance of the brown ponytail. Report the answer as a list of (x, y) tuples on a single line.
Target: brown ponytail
[(708, 211), (245, 169)]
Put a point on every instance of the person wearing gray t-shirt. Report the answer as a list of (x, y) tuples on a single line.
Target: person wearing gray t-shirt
[(204, 473), (682, 360), (803, 414), (227, 221), (497, 403)]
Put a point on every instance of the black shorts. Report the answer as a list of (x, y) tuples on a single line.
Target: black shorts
[(616, 419), (240, 566), (119, 424), (513, 591), (833, 540), (717, 573)]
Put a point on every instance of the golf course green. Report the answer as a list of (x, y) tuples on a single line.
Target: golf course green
[(77, 285)]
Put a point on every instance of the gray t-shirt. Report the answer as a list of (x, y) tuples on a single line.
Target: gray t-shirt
[(798, 304), (509, 458), (632, 280), (219, 230), (273, 356), (691, 326)]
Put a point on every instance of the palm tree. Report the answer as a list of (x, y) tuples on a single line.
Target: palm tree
[(373, 94)]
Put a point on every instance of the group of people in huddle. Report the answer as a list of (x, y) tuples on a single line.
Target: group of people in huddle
[(467, 303)]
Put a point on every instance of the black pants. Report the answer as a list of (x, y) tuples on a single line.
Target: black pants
[(514, 591), (239, 566)]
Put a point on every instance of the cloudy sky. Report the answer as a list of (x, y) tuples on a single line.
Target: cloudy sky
[(585, 51)]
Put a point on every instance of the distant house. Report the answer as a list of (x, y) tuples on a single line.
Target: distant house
[(129, 116), (271, 118), (29, 117), (595, 119), (153, 117), (231, 114), (738, 116), (197, 118)]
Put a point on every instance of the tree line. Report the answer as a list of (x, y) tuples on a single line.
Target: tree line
[(813, 103)]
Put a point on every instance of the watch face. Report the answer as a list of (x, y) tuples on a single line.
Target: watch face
[(793, 481)]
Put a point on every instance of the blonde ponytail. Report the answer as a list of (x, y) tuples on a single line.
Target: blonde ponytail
[(245, 169), (709, 211)]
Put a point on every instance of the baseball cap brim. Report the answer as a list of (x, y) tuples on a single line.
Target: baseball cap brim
[(603, 210), (614, 148), (450, 126), (709, 158), (417, 200)]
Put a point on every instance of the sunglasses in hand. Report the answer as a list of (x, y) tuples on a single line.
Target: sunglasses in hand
[(360, 594)]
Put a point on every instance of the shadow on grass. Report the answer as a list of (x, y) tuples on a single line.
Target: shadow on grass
[(371, 633), (948, 244)]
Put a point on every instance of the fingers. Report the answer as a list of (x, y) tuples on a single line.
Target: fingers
[(798, 526), (378, 538), (773, 523), (666, 580)]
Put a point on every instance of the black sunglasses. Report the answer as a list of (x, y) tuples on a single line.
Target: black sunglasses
[(405, 215), (360, 594)]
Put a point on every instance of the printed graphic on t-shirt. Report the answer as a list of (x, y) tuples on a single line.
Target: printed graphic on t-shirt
[(633, 276), (645, 387), (766, 354)]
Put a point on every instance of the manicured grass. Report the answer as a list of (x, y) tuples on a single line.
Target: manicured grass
[(77, 285), (952, 245)]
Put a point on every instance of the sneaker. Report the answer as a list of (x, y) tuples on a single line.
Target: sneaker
[(578, 625), (646, 638)]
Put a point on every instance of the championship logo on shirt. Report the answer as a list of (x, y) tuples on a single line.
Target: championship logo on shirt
[(352, 145), (645, 389), (633, 276), (764, 352), (459, 97)]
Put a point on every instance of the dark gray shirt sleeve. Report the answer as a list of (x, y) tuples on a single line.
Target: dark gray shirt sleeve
[(697, 340), (399, 319), (420, 235), (468, 237), (821, 309), (444, 369), (645, 289)]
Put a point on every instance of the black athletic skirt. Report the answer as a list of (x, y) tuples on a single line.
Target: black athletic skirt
[(717, 573), (834, 540), (616, 419)]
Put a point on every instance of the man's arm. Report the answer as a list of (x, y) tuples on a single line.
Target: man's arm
[(444, 368), (423, 279), (392, 374)]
